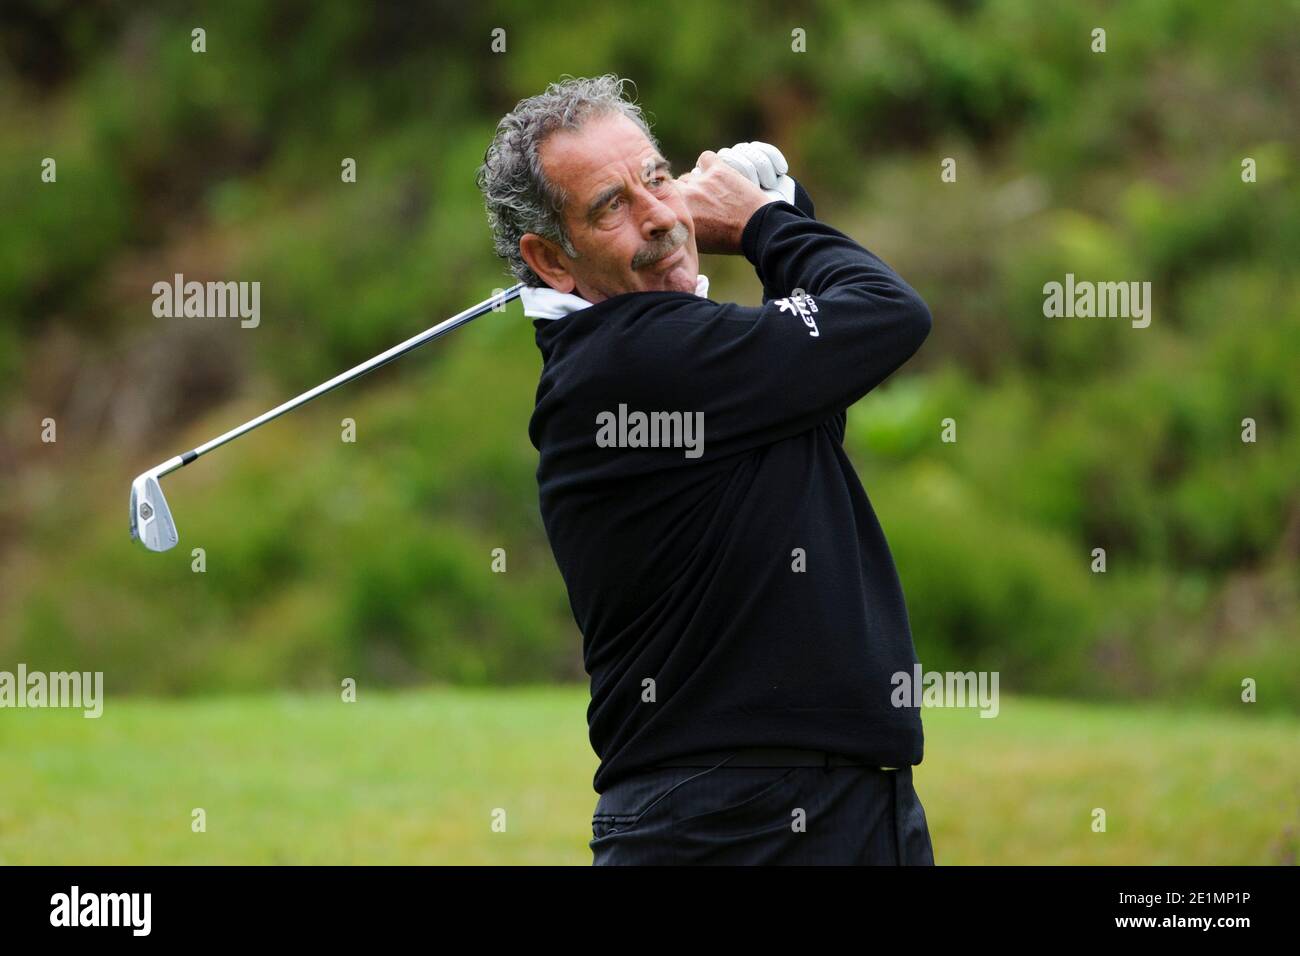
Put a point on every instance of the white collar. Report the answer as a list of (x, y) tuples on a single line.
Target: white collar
[(546, 303)]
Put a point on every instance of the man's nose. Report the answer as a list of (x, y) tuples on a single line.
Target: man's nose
[(659, 218)]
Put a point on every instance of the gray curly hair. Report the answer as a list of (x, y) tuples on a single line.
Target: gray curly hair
[(519, 197)]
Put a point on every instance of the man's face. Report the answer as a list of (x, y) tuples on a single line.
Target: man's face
[(625, 216)]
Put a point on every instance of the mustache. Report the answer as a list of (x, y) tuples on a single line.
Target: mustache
[(674, 239)]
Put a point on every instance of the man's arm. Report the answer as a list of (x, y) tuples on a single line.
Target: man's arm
[(767, 373), (803, 202)]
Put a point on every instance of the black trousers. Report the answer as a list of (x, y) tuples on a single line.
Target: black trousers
[(728, 815)]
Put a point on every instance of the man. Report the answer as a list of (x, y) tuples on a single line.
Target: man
[(740, 611)]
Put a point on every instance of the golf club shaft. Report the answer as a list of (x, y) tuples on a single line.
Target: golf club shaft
[(383, 358)]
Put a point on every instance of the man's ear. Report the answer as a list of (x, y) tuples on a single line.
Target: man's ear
[(548, 260)]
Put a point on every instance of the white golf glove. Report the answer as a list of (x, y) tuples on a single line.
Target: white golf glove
[(763, 165)]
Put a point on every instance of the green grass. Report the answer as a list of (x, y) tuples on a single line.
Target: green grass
[(415, 777)]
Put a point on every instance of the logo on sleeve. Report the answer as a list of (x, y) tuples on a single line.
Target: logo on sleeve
[(800, 303)]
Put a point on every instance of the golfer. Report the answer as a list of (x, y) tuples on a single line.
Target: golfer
[(740, 612)]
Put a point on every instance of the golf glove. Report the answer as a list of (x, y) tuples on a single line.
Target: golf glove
[(763, 165)]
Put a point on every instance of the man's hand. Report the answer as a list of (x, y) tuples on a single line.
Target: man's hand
[(721, 202), (762, 164)]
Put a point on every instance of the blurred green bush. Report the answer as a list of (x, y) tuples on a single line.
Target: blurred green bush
[(1072, 434)]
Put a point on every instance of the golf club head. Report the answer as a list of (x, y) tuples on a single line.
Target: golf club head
[(151, 519)]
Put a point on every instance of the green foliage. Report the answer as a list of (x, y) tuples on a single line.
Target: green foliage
[(1073, 434)]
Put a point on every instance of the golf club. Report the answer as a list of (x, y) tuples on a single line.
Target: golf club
[(151, 519)]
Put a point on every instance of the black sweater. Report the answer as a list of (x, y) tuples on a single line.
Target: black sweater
[(699, 631)]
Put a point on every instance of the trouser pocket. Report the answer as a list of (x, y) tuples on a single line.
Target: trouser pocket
[(912, 831), (632, 801)]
